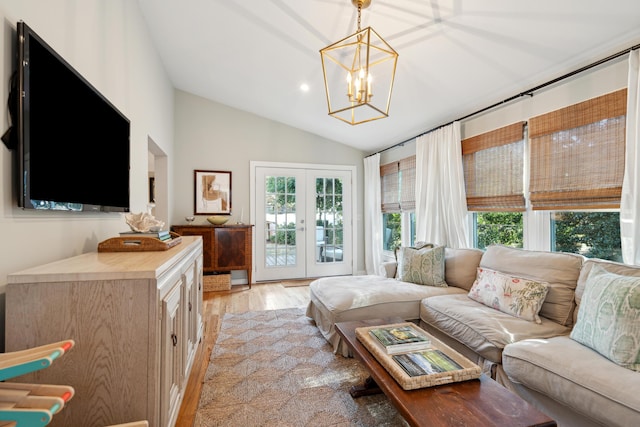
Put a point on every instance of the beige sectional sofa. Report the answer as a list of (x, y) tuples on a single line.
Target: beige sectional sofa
[(571, 382), (340, 299)]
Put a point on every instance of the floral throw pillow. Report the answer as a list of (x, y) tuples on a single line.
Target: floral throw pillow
[(609, 317), (423, 266), (516, 296)]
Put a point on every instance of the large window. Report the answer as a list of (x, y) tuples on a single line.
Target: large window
[(397, 180), (392, 231), (577, 167), (592, 234), (494, 179), (573, 180), (504, 228), (552, 183), (399, 229)]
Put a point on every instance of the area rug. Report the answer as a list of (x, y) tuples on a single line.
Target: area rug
[(274, 368)]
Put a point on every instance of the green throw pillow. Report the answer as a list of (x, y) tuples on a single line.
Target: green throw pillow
[(422, 266), (398, 254), (609, 317)]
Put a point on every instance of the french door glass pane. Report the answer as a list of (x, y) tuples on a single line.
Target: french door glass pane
[(329, 220), (280, 217)]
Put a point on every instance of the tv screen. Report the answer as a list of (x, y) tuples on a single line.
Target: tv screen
[(73, 144)]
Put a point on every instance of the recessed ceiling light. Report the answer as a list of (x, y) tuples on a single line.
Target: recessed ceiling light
[(304, 87)]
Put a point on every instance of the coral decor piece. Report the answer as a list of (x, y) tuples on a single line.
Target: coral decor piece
[(143, 222)]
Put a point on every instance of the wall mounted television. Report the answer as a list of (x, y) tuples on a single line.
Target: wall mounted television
[(73, 145)]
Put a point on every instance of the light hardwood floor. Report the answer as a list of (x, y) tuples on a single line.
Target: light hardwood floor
[(268, 296)]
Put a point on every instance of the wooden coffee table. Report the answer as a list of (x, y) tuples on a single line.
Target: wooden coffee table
[(477, 403)]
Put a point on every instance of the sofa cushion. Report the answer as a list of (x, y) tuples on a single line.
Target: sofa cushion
[(577, 377), (483, 329), (424, 266), (371, 294), (460, 266), (510, 294), (609, 317), (559, 269)]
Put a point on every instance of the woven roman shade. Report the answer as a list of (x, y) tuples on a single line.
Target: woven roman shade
[(408, 183), (398, 182), (390, 183), (577, 155), (493, 165)]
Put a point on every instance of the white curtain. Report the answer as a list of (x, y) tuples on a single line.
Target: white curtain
[(630, 203), (441, 205), (372, 215)]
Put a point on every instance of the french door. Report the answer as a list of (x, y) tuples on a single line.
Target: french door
[(303, 222)]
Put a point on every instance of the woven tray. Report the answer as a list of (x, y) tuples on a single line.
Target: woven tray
[(470, 370), (138, 244)]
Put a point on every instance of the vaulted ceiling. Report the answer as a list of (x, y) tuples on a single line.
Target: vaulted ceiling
[(455, 56)]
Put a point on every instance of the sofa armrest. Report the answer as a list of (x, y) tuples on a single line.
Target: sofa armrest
[(389, 269)]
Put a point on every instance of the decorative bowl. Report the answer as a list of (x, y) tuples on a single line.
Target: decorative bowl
[(217, 219)]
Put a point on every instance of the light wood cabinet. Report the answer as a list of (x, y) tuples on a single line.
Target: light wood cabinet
[(172, 356), (226, 247), (136, 318)]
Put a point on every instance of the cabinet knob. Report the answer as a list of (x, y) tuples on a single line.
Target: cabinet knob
[(174, 339)]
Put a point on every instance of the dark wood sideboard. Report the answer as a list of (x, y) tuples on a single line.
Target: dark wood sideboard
[(225, 247)]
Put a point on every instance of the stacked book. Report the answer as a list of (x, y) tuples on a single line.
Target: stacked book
[(411, 349), (400, 339), (160, 235), (426, 362)]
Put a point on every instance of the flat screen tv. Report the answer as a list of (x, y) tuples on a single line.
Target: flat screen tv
[(72, 143)]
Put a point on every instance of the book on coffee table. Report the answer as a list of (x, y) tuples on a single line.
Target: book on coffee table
[(400, 339), (426, 362)]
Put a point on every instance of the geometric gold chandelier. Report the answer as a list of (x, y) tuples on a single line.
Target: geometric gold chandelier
[(358, 74)]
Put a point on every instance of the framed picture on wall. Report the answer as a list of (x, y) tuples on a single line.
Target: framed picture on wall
[(212, 193)]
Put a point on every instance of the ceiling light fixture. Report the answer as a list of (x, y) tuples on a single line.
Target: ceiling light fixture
[(353, 67)]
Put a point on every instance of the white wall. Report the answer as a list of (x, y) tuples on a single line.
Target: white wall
[(589, 84), (212, 136), (107, 42)]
